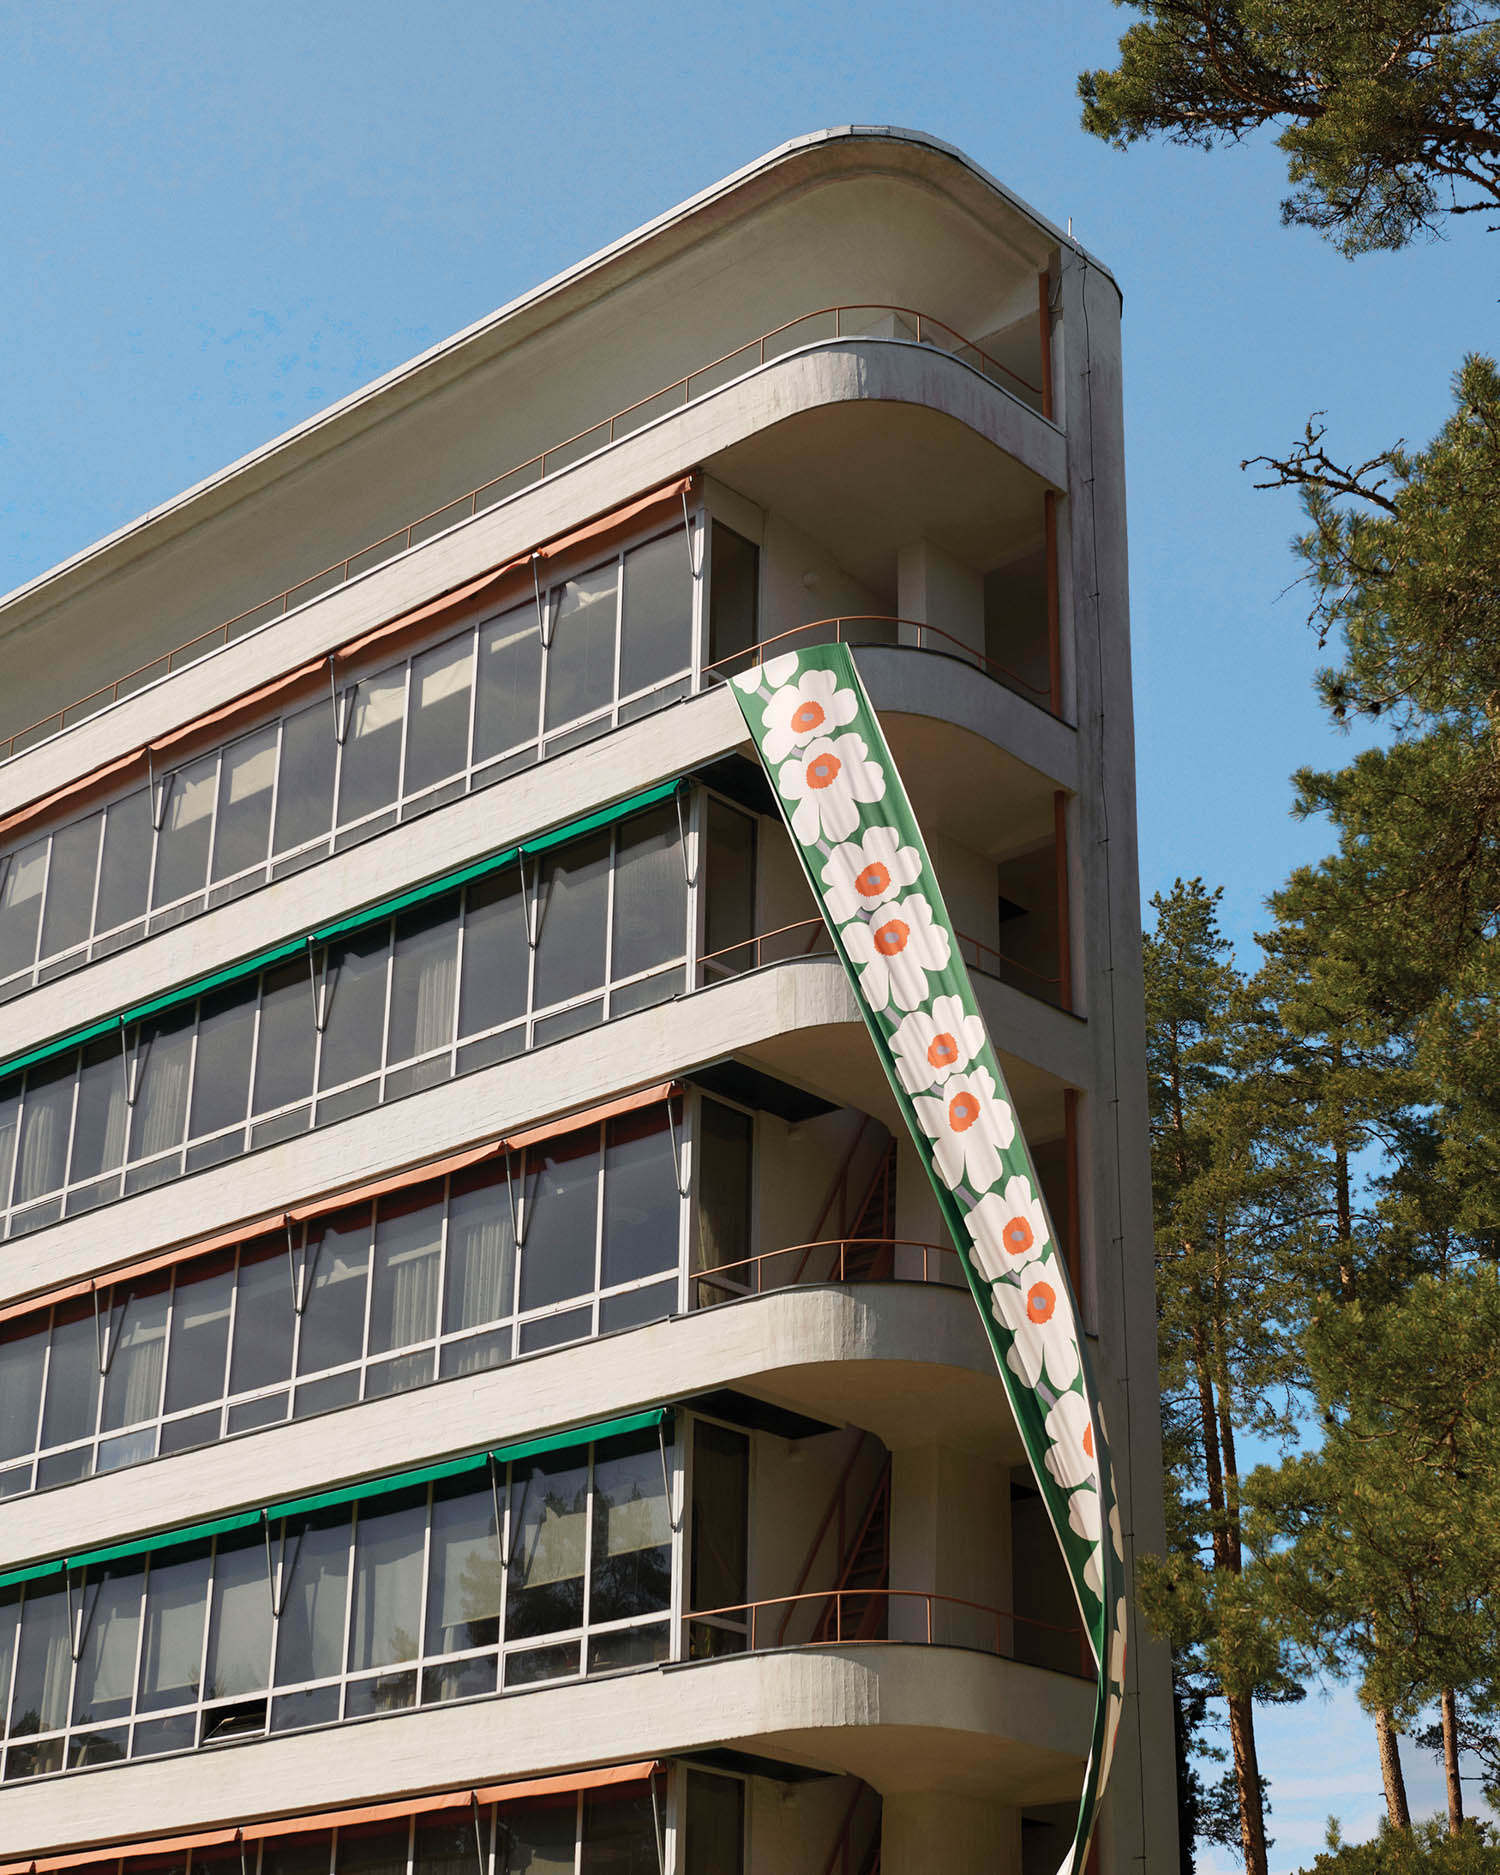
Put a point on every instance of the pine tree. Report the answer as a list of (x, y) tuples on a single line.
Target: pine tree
[(1227, 1365), (1389, 113)]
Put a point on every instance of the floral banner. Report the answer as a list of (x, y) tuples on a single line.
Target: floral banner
[(863, 853)]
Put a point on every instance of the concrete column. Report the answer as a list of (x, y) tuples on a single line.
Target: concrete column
[(935, 589), (925, 1831), (950, 1535)]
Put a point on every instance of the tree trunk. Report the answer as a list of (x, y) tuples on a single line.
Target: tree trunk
[(1390, 1770), (1247, 1781), (1450, 1764)]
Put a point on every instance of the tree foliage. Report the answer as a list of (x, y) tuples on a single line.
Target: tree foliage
[(1388, 110)]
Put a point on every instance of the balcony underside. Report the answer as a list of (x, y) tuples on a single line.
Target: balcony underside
[(900, 1717)]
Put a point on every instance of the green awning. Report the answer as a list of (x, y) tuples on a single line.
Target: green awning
[(33, 1572), (106, 1026), (216, 980), (377, 1487), (581, 1435), (563, 1441), (354, 921), (165, 1539)]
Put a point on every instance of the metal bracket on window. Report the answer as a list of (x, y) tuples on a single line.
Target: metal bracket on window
[(689, 878), (481, 1860), (333, 694), (301, 1280), (677, 1154), (656, 1820), (500, 1556), (518, 1212), (324, 982), (136, 1058), (79, 1625), (343, 711), (278, 1602), (105, 1339), (541, 615), (531, 904), (161, 793), (5, 859), (674, 1515), (695, 562)]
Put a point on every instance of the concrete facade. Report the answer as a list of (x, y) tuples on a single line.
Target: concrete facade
[(832, 1617)]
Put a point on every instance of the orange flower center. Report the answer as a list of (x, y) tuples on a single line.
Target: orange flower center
[(1088, 1440), (963, 1111), (874, 880), (942, 1051), (823, 770), (1017, 1237), (1041, 1300), (807, 716), (890, 938)]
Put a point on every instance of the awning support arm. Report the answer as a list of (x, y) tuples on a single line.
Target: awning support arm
[(674, 1515)]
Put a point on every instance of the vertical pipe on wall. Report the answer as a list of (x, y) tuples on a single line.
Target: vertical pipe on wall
[(1054, 619), (1070, 1181), (1044, 313), (1064, 919)]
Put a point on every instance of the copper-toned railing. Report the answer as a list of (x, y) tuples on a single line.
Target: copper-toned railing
[(837, 1260), (809, 936), (855, 629), (940, 1621), (908, 325)]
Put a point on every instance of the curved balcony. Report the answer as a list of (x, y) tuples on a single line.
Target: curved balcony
[(888, 324)]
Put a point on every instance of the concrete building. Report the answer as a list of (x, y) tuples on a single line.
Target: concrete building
[(482, 1383)]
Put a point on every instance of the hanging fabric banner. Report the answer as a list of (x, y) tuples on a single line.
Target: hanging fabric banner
[(850, 820)]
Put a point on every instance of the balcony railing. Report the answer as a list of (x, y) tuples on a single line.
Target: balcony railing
[(859, 1616), (875, 628), (829, 323), (835, 1260), (808, 937)]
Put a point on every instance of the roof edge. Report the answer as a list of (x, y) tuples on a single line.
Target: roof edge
[(411, 367)]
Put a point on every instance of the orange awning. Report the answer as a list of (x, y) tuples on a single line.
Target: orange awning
[(618, 521), (336, 1201), (517, 1791)]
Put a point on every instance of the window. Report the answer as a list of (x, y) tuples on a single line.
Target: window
[(733, 601), (447, 987), (396, 742), (376, 1606), (720, 1546), (714, 1825), (429, 1282), (607, 1832)]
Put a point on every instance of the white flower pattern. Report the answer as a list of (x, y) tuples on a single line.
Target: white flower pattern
[(1044, 1345), (930, 1045), (826, 782), (822, 745), (1009, 1229), (969, 1125), (813, 705), (861, 875), (895, 952)]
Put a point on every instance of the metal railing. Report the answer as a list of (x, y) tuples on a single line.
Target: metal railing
[(827, 323), (879, 629), (808, 937), (833, 1260), (846, 1616)]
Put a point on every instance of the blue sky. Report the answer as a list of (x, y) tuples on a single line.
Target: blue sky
[(219, 219)]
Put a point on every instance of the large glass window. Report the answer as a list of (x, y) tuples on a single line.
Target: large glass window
[(374, 1299), (395, 742), (607, 1832), (398, 1600), (595, 929)]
